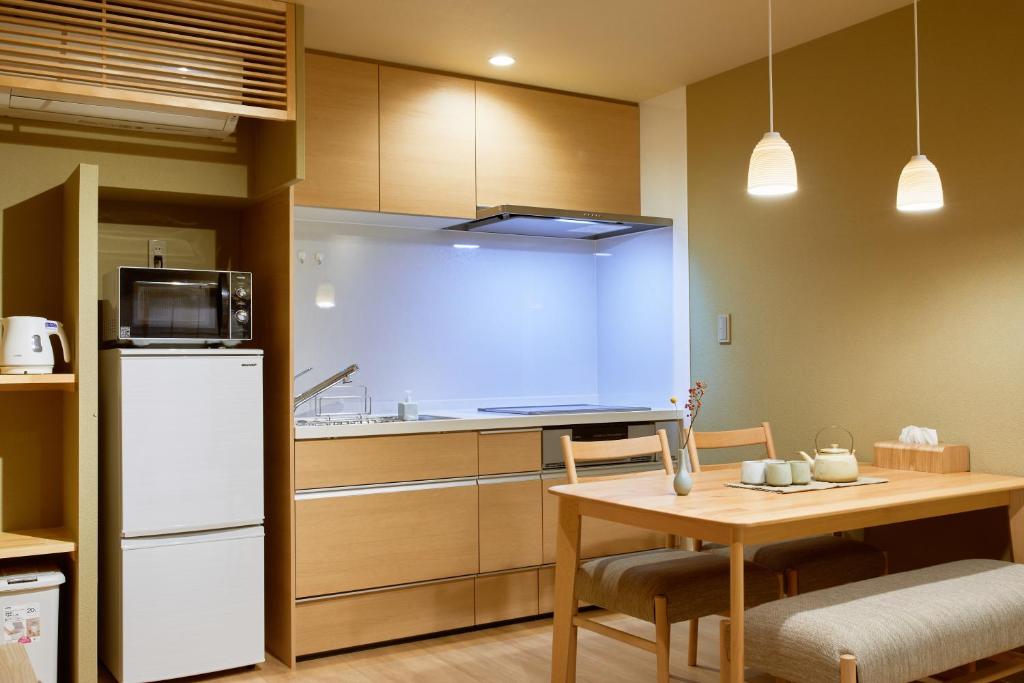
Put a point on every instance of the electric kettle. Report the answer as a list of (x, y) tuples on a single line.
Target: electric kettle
[(25, 345)]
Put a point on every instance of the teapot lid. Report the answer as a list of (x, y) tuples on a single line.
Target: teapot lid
[(834, 449)]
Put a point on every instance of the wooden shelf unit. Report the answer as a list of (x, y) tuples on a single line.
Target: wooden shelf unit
[(60, 382), (35, 542)]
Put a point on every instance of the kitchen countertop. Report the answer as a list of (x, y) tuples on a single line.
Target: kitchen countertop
[(472, 420)]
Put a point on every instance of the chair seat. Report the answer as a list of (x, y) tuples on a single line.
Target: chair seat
[(820, 561), (900, 627), (696, 584)]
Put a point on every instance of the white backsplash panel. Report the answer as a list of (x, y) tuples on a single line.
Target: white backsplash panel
[(513, 320)]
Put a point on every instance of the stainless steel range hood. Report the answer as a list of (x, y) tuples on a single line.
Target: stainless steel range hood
[(540, 222)]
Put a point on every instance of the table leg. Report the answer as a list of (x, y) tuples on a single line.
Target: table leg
[(563, 643), (1016, 510), (736, 604)]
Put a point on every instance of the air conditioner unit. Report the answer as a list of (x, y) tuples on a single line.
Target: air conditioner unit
[(66, 110)]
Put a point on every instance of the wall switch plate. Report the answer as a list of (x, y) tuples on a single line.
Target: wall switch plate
[(157, 250), (725, 328)]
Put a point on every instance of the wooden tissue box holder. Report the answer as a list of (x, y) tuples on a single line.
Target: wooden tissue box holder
[(939, 459)]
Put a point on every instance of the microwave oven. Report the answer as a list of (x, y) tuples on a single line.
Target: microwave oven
[(164, 306)]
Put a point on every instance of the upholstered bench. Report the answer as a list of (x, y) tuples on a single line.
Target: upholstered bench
[(895, 628)]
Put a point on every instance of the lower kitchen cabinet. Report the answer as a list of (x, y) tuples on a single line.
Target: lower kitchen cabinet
[(376, 616), (510, 522), (597, 536), (511, 595), (352, 539), (512, 450)]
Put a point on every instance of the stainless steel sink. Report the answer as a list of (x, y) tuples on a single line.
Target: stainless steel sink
[(328, 420)]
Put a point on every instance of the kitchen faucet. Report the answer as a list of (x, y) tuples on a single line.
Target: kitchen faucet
[(343, 376)]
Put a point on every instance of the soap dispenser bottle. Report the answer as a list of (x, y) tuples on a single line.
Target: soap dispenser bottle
[(407, 410)]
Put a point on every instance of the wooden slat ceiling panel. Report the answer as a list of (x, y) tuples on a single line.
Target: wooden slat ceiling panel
[(234, 51)]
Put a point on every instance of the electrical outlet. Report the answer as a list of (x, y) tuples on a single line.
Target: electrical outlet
[(157, 251), (725, 328)]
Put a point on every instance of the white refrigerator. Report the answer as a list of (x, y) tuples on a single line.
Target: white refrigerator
[(181, 571)]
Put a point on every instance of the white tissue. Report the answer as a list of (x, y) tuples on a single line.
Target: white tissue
[(922, 435)]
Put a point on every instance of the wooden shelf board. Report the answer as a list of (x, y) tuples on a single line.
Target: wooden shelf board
[(35, 542), (37, 382)]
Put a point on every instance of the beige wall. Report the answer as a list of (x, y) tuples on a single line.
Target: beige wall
[(843, 309)]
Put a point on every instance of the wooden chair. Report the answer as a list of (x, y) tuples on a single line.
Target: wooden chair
[(806, 563), (659, 586)]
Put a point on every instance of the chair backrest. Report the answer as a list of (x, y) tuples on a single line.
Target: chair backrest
[(590, 451), (752, 436)]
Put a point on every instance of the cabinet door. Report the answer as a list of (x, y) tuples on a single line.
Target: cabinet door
[(510, 522), (427, 143), (352, 539), (538, 148), (342, 135), (598, 537)]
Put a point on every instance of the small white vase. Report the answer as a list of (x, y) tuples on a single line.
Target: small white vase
[(683, 482)]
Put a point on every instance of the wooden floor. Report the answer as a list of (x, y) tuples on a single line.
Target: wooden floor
[(505, 654), (510, 653)]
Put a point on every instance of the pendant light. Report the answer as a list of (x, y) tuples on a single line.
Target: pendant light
[(772, 170), (920, 188)]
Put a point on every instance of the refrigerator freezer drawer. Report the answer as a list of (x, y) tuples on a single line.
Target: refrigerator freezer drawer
[(191, 604)]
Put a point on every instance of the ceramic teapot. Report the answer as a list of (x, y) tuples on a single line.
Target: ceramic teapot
[(833, 464)]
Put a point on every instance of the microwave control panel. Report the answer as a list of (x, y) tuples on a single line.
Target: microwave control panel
[(241, 306)]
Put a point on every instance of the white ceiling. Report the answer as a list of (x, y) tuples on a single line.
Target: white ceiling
[(630, 50)]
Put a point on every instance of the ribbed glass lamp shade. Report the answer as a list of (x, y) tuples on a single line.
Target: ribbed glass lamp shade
[(325, 295), (772, 169), (920, 187)]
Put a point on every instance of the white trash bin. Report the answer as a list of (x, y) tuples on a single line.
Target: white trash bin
[(29, 599)]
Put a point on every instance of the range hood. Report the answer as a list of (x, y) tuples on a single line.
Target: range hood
[(540, 222)]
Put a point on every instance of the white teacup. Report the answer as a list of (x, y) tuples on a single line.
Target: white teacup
[(752, 471)]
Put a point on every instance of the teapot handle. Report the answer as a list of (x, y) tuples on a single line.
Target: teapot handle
[(848, 433)]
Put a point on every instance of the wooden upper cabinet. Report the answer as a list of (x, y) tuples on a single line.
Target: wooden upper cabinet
[(342, 135), (537, 148), (427, 143)]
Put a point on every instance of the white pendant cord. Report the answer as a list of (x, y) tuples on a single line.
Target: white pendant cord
[(771, 84), (917, 83)]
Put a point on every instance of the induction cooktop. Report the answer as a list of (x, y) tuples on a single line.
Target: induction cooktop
[(561, 409)]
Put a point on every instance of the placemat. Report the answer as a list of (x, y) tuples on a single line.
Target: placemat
[(813, 486)]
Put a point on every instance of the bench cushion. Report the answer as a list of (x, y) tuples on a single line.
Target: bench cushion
[(696, 584), (900, 627)]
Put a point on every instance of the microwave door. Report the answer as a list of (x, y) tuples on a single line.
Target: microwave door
[(177, 309)]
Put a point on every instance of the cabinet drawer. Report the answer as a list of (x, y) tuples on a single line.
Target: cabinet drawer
[(545, 590), (510, 522), (326, 463), (506, 596), (352, 620), (512, 451), (364, 538), (597, 536)]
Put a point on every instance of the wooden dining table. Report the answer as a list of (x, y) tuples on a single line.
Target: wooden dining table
[(736, 517)]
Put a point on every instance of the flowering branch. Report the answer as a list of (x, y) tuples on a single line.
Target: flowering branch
[(694, 402)]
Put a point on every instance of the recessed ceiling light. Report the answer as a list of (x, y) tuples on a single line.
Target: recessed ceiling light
[(183, 69), (601, 253), (466, 246), (502, 60)]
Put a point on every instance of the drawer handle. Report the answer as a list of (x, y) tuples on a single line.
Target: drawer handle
[(345, 491)]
